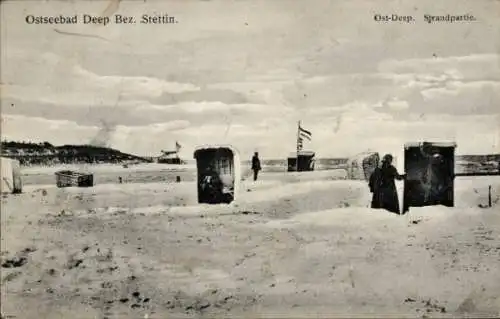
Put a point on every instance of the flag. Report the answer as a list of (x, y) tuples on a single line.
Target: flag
[(177, 146), (305, 133), (301, 135)]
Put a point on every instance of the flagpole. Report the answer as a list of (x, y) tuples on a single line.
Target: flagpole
[(297, 156)]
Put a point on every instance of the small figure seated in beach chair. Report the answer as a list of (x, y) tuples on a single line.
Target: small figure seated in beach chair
[(211, 186), (227, 188)]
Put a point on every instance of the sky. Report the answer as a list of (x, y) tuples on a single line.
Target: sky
[(244, 72)]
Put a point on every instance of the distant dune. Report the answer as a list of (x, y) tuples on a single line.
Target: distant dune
[(47, 154)]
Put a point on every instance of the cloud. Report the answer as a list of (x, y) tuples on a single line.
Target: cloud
[(141, 113), (456, 88), (472, 67), (162, 127), (57, 80), (461, 85), (215, 113), (458, 85), (134, 86), (460, 98), (340, 89), (215, 107), (201, 95), (19, 127), (397, 105)]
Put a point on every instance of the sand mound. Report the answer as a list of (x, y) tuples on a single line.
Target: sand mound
[(292, 246)]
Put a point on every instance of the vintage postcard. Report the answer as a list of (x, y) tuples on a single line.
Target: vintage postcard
[(250, 158)]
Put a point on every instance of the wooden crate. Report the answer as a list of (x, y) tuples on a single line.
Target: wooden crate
[(74, 179)]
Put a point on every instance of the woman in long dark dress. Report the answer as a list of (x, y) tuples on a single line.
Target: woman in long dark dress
[(373, 184), (385, 195)]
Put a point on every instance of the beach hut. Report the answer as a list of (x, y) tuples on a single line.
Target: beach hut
[(362, 165), (170, 157), (305, 160), (219, 173), (11, 176), (430, 173)]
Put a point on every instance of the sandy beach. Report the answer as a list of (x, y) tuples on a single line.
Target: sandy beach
[(298, 245)]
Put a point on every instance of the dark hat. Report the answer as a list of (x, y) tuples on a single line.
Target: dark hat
[(387, 157)]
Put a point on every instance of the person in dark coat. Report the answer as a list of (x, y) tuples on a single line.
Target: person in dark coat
[(255, 165), (373, 184), (385, 195)]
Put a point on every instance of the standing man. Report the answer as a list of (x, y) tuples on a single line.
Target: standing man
[(255, 165)]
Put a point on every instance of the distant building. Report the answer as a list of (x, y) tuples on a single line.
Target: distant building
[(301, 161), (171, 157)]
